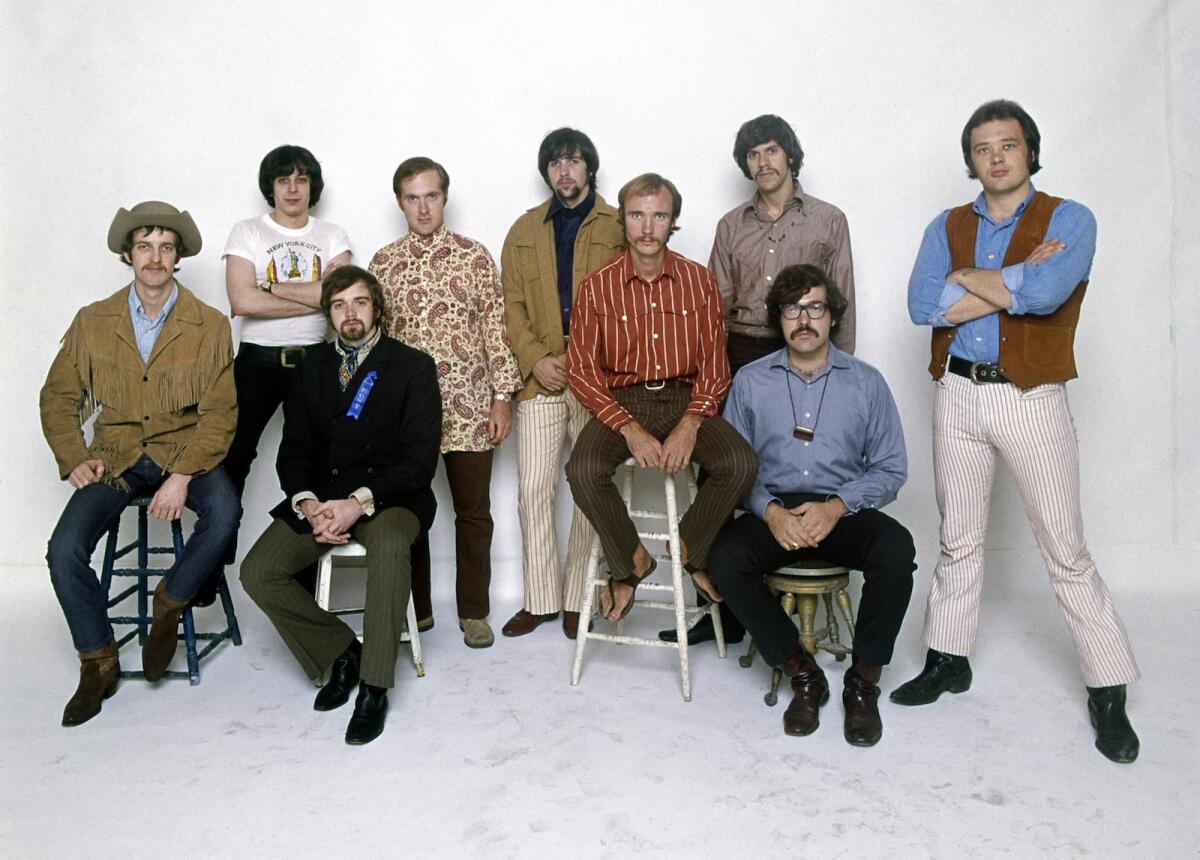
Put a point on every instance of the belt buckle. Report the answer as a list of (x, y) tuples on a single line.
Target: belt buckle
[(285, 351), (655, 386)]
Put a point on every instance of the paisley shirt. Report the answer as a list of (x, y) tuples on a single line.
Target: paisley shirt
[(443, 296)]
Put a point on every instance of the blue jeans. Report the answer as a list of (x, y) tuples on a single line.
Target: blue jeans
[(93, 510)]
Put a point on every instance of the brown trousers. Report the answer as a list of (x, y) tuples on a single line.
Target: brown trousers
[(469, 474), (719, 450)]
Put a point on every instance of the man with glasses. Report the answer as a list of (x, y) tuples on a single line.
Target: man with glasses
[(1001, 281), (547, 253), (781, 225), (830, 454)]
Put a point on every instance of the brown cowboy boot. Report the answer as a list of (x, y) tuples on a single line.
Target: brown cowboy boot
[(99, 672), (164, 633)]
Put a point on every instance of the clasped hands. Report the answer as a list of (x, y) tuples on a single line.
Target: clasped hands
[(331, 520), (668, 456), (805, 525)]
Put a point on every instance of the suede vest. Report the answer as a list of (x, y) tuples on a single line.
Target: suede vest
[(1034, 349)]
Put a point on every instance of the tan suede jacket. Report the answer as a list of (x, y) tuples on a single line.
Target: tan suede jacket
[(529, 273), (180, 407)]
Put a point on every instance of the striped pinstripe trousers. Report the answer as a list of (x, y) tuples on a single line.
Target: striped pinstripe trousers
[(1032, 429), (543, 423), (315, 636), (720, 451)]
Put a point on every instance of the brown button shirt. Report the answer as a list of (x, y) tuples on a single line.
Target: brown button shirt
[(750, 249)]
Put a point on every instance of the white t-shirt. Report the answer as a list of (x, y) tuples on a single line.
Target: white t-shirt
[(281, 254)]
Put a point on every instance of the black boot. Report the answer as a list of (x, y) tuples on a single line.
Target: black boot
[(343, 678), (370, 710), (942, 673), (1115, 737)]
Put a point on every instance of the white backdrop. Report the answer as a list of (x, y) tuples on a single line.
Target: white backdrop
[(107, 104)]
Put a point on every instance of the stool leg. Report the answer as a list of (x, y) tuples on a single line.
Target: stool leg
[(807, 611), (585, 608), (143, 556), (772, 695), (189, 644), (414, 638), (677, 587), (746, 659), (110, 553), (831, 629), (843, 602)]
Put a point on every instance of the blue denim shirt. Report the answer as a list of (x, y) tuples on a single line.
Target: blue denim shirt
[(146, 330), (1035, 289), (857, 450)]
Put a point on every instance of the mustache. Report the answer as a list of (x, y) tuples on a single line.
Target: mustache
[(801, 329)]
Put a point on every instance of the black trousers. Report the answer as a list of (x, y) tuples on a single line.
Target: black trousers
[(869, 541)]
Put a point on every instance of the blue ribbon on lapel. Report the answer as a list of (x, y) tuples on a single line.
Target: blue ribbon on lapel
[(360, 396)]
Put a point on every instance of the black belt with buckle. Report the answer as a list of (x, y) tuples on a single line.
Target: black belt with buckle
[(660, 384), (286, 356), (979, 372)]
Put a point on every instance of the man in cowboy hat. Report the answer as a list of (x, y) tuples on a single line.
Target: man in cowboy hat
[(155, 366)]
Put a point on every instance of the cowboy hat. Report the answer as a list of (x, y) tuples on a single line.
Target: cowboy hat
[(155, 213)]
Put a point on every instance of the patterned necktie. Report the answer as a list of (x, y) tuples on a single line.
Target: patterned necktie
[(349, 365)]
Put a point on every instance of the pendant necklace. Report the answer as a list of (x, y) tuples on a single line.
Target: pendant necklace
[(800, 431)]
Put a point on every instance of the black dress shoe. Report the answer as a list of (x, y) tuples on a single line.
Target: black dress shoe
[(370, 711), (703, 632), (942, 673), (1115, 737), (343, 678)]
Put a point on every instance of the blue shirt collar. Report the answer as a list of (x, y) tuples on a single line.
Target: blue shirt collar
[(980, 206), (138, 312)]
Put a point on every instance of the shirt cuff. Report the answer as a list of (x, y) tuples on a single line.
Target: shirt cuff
[(1014, 278), (300, 497), (951, 293), (366, 498)]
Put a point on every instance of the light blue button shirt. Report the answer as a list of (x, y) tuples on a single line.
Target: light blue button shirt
[(857, 451), (146, 330), (1038, 289)]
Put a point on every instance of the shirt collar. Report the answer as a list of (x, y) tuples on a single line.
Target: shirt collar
[(559, 210), (344, 349), (751, 207), (837, 359), (137, 311), (670, 270), (980, 206)]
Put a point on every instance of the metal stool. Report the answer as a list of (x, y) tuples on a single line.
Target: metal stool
[(685, 616), (141, 622), (799, 585), (355, 550)]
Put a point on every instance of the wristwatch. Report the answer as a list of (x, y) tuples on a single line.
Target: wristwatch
[(502, 397)]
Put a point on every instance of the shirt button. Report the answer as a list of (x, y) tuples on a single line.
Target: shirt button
[(770, 250), (144, 444), (685, 313), (805, 444), (655, 335), (333, 472), (145, 379), (622, 317), (145, 417), (806, 471), (991, 256), (658, 367), (979, 340), (653, 305), (768, 277), (808, 415)]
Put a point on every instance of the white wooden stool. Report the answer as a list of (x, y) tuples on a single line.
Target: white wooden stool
[(685, 615), (355, 550)]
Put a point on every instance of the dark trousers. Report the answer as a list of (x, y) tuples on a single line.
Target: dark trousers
[(598, 451), (469, 474), (869, 541), (92, 511), (316, 637)]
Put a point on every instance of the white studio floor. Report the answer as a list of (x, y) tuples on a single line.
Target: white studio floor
[(494, 754)]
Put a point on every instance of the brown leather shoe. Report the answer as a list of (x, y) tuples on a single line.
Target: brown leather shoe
[(811, 691), (525, 622), (99, 672), (571, 624), (160, 645), (860, 696)]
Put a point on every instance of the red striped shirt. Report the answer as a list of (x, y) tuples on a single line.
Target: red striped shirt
[(626, 331)]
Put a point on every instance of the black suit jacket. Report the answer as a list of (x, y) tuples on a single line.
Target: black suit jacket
[(391, 448)]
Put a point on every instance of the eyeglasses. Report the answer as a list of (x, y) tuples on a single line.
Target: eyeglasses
[(815, 310)]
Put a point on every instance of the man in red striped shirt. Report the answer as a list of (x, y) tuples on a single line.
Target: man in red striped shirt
[(647, 358)]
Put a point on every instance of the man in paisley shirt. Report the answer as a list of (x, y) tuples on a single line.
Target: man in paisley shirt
[(444, 297)]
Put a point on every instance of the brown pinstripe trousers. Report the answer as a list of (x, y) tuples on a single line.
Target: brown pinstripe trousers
[(1032, 429), (317, 637), (719, 450)]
